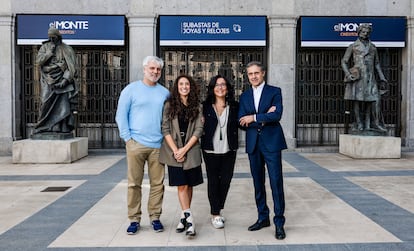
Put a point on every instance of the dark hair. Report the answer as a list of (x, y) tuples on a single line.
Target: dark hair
[(177, 107), (257, 63), (211, 98)]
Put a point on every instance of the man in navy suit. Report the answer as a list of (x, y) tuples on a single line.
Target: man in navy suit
[(259, 114)]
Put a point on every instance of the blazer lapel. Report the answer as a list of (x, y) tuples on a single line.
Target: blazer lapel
[(251, 100), (176, 130), (262, 100)]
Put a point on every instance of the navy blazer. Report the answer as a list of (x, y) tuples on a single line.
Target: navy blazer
[(267, 124), (210, 125)]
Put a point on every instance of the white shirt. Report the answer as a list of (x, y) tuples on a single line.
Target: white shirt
[(221, 145), (257, 93)]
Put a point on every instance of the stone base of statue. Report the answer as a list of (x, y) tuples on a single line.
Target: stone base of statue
[(52, 135), (369, 132), (40, 151), (370, 147)]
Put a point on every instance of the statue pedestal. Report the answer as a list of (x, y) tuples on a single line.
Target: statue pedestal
[(370, 147), (49, 151)]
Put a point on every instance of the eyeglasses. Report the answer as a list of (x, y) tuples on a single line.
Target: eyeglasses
[(220, 86)]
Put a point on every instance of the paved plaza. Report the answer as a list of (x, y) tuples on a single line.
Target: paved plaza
[(333, 202)]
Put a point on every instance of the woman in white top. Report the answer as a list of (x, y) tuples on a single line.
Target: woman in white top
[(219, 143)]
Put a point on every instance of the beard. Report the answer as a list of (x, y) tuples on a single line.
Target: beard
[(152, 77)]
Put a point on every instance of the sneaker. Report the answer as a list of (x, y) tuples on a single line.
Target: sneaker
[(217, 222), (190, 225), (157, 226), (182, 225), (190, 230), (133, 228)]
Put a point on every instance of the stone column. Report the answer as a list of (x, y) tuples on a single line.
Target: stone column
[(408, 105), (281, 69), (6, 83), (142, 37), (407, 88)]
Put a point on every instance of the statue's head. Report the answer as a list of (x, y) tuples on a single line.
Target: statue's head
[(54, 34), (364, 30), (364, 26)]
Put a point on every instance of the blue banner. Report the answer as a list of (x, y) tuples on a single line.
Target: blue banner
[(342, 31), (213, 30), (75, 30)]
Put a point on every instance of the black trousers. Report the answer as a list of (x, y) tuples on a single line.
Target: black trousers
[(220, 168)]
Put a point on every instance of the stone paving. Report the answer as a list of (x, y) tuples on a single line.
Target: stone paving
[(333, 202)]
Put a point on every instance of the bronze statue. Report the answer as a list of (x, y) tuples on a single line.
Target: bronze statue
[(57, 62), (361, 85)]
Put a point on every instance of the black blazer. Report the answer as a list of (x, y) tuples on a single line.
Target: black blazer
[(210, 125)]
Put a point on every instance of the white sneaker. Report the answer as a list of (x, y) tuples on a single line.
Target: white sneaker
[(217, 222), (181, 225), (191, 232)]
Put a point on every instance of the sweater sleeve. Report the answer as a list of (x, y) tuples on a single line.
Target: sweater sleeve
[(122, 116)]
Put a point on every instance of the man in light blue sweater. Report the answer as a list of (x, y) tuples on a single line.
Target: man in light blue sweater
[(139, 117)]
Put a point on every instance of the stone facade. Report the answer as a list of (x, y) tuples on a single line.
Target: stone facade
[(142, 15)]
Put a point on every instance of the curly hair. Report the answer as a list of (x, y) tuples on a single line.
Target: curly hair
[(211, 98), (177, 107)]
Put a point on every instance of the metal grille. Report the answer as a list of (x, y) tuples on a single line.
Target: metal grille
[(204, 63), (320, 108), (31, 89), (102, 74), (55, 189)]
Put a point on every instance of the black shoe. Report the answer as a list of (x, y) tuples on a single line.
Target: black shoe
[(259, 225), (280, 233)]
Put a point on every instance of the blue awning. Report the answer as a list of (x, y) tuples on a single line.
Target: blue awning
[(75, 30), (342, 31), (212, 30)]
